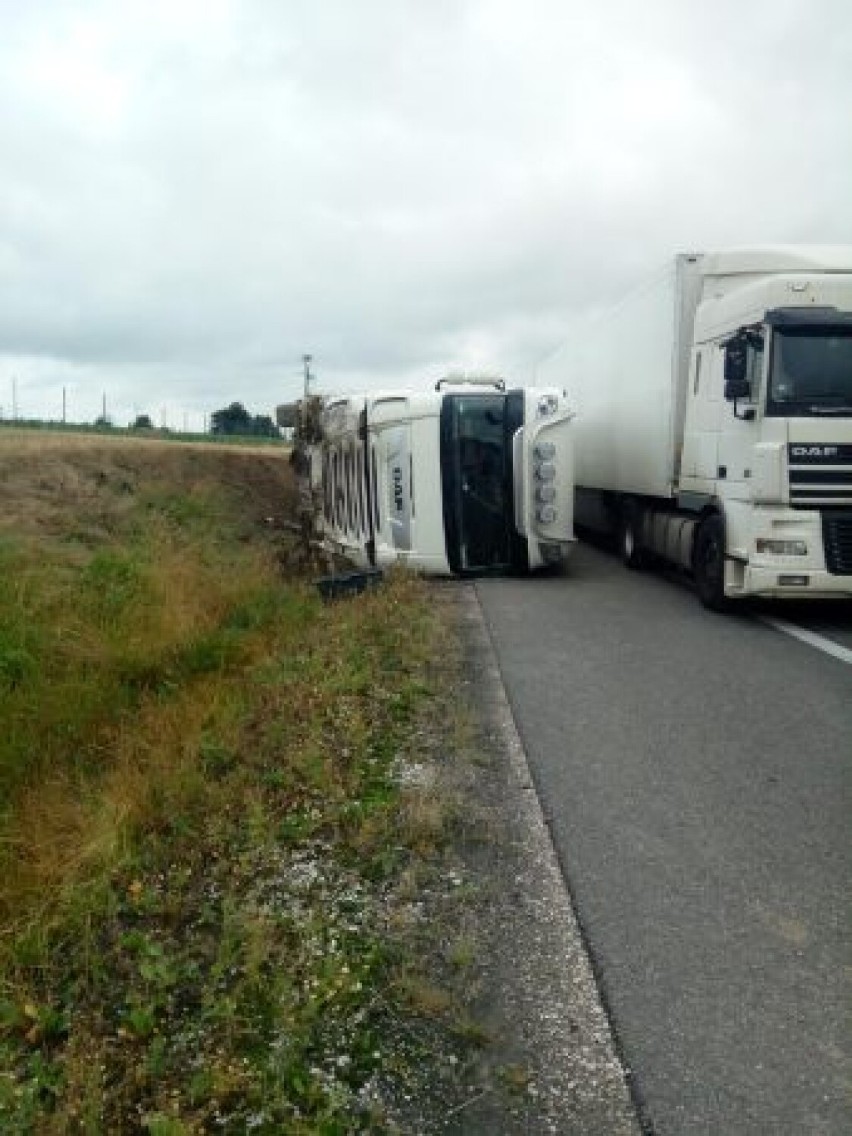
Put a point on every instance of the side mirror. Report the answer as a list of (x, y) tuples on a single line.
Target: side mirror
[(287, 415), (736, 389), (736, 361), (736, 369)]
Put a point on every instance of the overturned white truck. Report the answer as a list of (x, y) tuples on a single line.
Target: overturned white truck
[(714, 421), (464, 479)]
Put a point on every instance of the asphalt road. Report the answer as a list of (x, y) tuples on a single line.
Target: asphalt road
[(697, 773)]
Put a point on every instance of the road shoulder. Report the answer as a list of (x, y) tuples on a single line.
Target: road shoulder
[(537, 998)]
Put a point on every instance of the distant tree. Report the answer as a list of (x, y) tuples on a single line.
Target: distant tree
[(143, 422), (264, 427), (235, 419), (103, 421)]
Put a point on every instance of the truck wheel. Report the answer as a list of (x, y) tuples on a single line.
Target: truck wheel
[(709, 563), (632, 554)]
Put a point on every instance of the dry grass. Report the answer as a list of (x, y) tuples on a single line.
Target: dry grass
[(123, 563), (203, 822), (424, 812), (19, 440), (71, 485), (68, 831)]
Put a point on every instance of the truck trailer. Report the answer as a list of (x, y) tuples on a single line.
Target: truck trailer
[(714, 421)]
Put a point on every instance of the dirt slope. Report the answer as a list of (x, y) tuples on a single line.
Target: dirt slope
[(48, 482)]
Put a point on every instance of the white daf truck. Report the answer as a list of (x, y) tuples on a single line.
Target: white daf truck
[(714, 421), (464, 479)]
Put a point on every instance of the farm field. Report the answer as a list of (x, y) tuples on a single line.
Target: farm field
[(206, 846)]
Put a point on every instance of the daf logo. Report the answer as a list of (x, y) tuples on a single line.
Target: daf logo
[(814, 451), (398, 500)]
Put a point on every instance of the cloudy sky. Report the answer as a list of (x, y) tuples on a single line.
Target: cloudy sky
[(195, 192)]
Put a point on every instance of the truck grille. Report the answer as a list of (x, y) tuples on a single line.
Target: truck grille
[(820, 475), (837, 538), (814, 487)]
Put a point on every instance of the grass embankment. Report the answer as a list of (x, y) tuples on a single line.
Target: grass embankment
[(35, 428), (201, 829)]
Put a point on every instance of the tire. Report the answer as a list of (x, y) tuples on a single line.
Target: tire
[(709, 563), (631, 552)]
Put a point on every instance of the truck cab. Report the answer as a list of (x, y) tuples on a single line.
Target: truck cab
[(767, 438), (465, 479)]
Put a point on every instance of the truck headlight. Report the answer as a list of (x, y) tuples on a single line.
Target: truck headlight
[(548, 404), (546, 471), (544, 494), (781, 547), (545, 514), (544, 451)]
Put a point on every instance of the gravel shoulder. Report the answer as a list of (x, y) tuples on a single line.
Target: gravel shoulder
[(535, 995)]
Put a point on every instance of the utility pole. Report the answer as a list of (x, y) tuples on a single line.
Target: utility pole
[(103, 412), (306, 359), (64, 406), (14, 398)]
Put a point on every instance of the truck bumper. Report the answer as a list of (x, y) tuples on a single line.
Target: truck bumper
[(786, 581), (752, 571)]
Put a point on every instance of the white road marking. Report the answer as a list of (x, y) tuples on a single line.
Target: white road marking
[(827, 646)]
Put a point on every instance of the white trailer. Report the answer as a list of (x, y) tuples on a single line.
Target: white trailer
[(464, 479), (714, 421)]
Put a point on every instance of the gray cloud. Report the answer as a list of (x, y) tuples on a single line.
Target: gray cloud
[(195, 193)]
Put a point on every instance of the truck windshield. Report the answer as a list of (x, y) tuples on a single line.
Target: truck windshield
[(811, 372), (477, 478)]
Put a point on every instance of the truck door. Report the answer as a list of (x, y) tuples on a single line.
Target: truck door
[(700, 459), (737, 434)]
